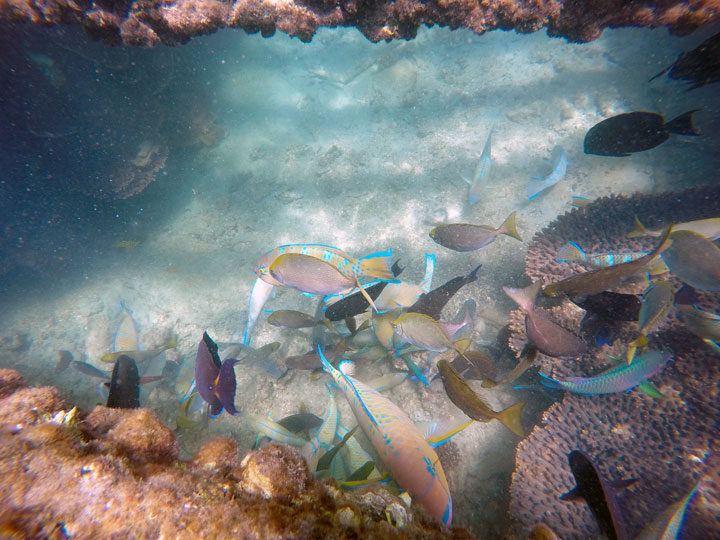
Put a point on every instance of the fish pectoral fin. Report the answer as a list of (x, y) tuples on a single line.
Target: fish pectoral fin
[(651, 390), (572, 495)]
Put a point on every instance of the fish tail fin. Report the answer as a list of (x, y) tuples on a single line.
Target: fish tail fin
[(570, 252), (535, 186), (327, 366), (509, 227), (472, 276), (550, 383), (639, 230), (683, 124), (426, 283), (525, 297), (663, 244), (171, 343), (377, 265), (663, 72), (511, 418)]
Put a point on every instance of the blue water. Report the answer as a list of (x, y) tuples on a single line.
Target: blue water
[(248, 143)]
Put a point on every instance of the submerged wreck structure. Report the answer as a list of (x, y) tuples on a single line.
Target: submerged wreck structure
[(148, 22)]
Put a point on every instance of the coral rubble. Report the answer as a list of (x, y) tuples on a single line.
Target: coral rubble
[(114, 473), (148, 22), (668, 444)]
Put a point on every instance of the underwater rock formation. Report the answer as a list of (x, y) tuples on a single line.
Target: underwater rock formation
[(150, 22), (668, 444), (114, 473)]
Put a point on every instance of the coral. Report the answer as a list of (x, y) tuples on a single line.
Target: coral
[(148, 22), (665, 443), (132, 177), (114, 473)]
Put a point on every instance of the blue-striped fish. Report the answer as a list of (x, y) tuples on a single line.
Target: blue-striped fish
[(482, 171), (571, 252), (399, 443), (558, 168), (126, 336), (618, 379), (259, 294), (272, 429)]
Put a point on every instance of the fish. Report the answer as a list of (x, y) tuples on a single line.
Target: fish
[(656, 303), (376, 266), (469, 402), (475, 365), (700, 65), (261, 356), (300, 422), (709, 228), (326, 460), (528, 355), (64, 359), (612, 306), (215, 380), (355, 304), (604, 279), (403, 294), (624, 134), (89, 369), (433, 302), (382, 327), (579, 202), (259, 294), (425, 332), (387, 381), (126, 244), (140, 356), (558, 168), (311, 360), (271, 429), (399, 443), (309, 275), (124, 385), (465, 237), (482, 171), (360, 474), (599, 494), (549, 337), (667, 524), (617, 379), (571, 252), (703, 324), (126, 335), (289, 318), (694, 259)]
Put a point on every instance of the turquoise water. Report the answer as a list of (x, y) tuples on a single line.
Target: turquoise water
[(157, 178)]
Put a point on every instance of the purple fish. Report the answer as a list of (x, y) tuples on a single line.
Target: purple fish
[(215, 381)]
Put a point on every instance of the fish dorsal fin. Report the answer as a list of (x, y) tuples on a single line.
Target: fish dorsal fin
[(347, 368)]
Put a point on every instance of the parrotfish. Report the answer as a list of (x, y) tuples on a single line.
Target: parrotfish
[(703, 324), (466, 237), (599, 494), (355, 304), (433, 302), (624, 134), (215, 380), (376, 266), (272, 429), (549, 337), (259, 294), (558, 168), (403, 294), (709, 228), (571, 252), (318, 445), (604, 279), (140, 356), (482, 171), (355, 456), (124, 385), (399, 443), (667, 525), (694, 259), (309, 275), (618, 379), (473, 405), (126, 336)]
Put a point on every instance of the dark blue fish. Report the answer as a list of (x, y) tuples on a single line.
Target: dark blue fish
[(124, 384), (433, 302), (215, 380)]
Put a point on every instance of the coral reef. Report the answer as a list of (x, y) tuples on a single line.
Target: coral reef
[(149, 22), (114, 473), (678, 433)]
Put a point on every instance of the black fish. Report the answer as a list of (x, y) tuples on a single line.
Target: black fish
[(701, 65), (598, 494), (215, 381), (612, 306), (432, 303), (624, 134), (124, 384), (64, 359), (355, 304)]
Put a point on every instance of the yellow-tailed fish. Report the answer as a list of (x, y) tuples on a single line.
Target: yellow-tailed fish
[(126, 335), (309, 275), (482, 171), (382, 327), (375, 266), (694, 259), (608, 278), (425, 332), (399, 443), (473, 405), (709, 228), (403, 294), (703, 324), (259, 294), (656, 303), (140, 356), (467, 237), (667, 525)]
